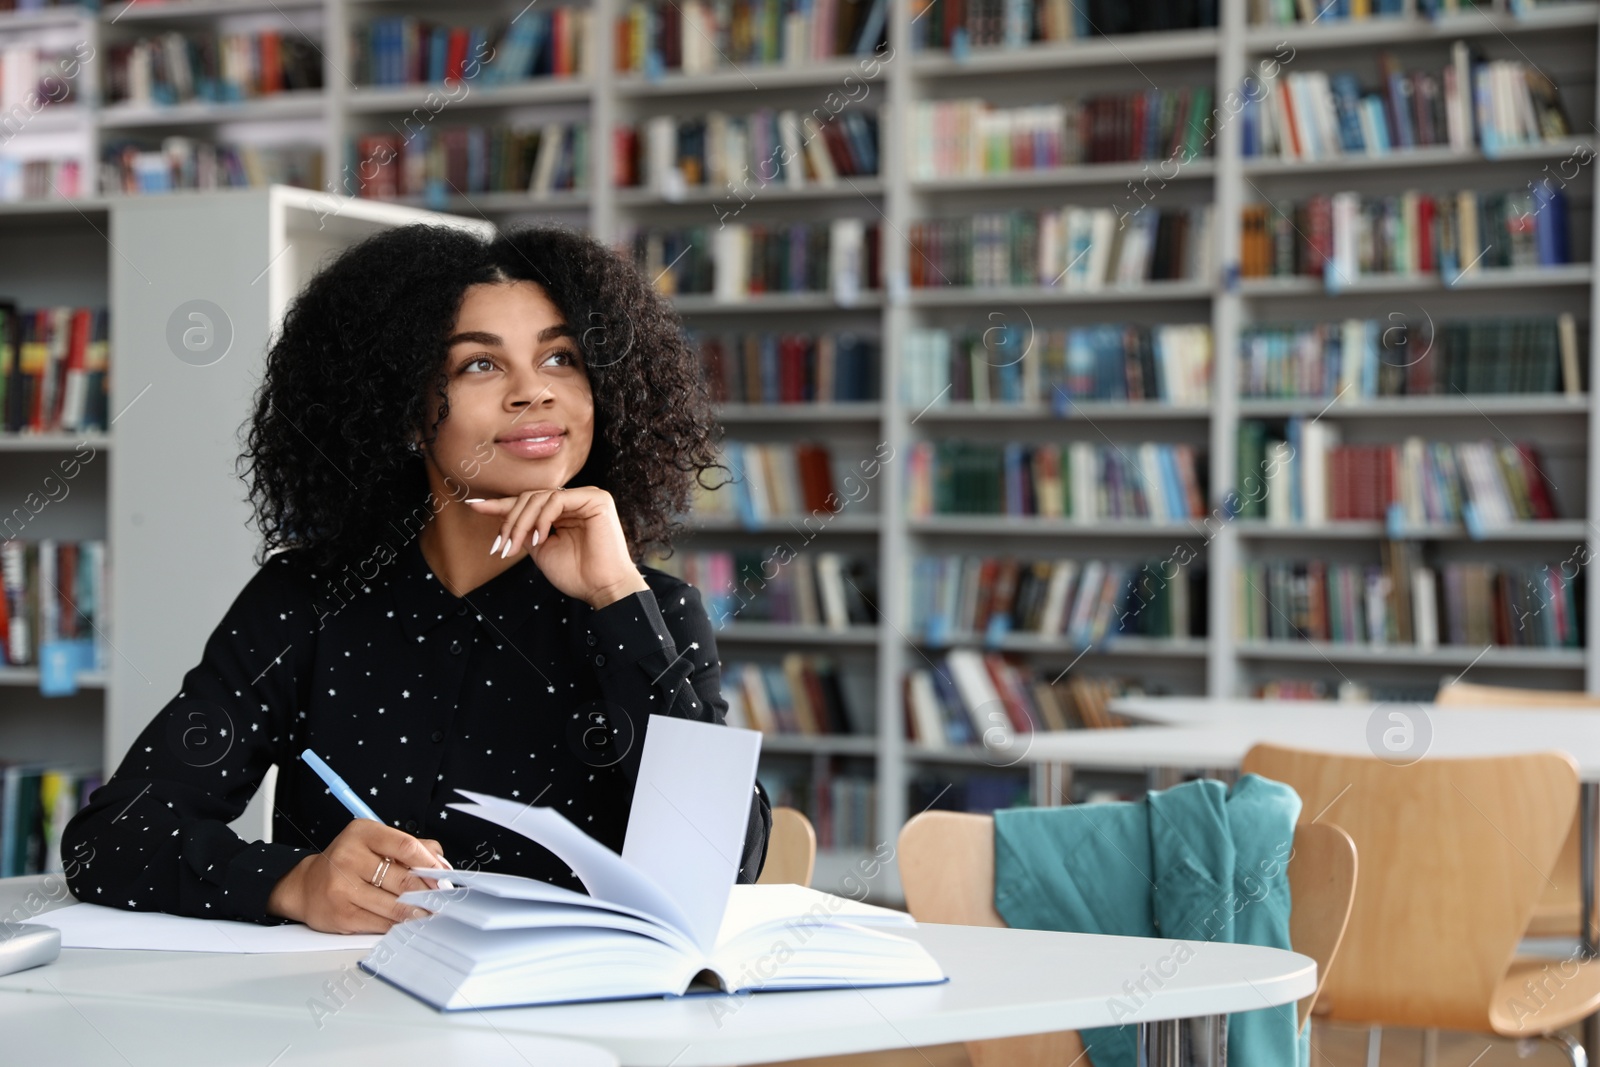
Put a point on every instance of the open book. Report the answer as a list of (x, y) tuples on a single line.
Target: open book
[(656, 918)]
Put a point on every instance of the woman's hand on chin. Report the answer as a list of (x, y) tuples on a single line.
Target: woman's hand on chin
[(574, 537)]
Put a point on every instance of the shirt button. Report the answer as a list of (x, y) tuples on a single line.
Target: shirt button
[(411, 826), (455, 648), (438, 735), (600, 660), (591, 639)]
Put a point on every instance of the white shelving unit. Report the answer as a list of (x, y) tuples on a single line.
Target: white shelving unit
[(1565, 38)]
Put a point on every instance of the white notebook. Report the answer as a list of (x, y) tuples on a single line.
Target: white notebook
[(657, 918)]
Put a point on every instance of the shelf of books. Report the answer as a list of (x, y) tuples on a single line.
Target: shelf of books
[(54, 480), (1411, 437), (78, 535), (1054, 383), (1247, 357), (1061, 349), (483, 110)]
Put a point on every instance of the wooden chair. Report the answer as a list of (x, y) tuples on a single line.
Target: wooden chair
[(1453, 860), (947, 871), (1558, 912), (791, 850)]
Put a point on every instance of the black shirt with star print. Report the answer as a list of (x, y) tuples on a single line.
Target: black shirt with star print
[(407, 691)]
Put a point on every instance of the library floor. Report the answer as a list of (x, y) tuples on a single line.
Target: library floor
[(1331, 1046)]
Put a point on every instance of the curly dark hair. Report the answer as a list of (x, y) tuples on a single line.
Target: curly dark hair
[(362, 349)]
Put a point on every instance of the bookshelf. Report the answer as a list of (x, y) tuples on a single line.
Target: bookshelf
[(1563, 38), (1217, 662), (160, 489)]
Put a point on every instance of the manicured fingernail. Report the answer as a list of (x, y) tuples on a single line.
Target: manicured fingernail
[(506, 551), (535, 538), (445, 864), (495, 546), (475, 500)]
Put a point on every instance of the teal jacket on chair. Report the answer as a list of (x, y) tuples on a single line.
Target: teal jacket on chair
[(1195, 863)]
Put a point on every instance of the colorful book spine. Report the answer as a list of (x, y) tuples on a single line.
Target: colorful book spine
[(826, 590), (174, 68), (1342, 237), (803, 694), (54, 369), (790, 368), (41, 179), (700, 36), (1355, 359), (53, 591), (437, 164), (971, 138), (1401, 601), (1290, 12), (968, 598), (37, 800), (770, 482), (841, 804), (1060, 367), (739, 260), (744, 154), (1079, 249), (137, 166), (1484, 484), (959, 24), (1470, 103), (407, 50), (968, 698), (1079, 481)]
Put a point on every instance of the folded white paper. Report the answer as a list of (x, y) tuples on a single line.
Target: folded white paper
[(96, 926)]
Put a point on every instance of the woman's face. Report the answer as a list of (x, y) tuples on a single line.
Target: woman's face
[(521, 412)]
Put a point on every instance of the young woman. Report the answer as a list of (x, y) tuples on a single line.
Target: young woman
[(459, 452)]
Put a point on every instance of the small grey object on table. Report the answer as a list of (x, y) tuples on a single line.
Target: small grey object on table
[(25, 945)]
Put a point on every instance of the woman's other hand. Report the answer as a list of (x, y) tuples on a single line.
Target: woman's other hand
[(574, 537)]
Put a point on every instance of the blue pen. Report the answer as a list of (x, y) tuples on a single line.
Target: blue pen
[(347, 796)]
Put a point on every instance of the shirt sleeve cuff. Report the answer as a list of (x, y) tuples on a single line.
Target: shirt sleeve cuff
[(628, 630), (253, 874)]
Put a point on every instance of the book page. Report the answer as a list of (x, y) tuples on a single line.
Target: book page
[(606, 875), (753, 906), (691, 807)]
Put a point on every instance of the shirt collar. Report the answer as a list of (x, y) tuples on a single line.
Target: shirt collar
[(505, 601)]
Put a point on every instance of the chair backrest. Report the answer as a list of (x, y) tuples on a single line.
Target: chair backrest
[(1322, 891), (946, 863), (1453, 859), (791, 849), (1559, 912), (1467, 694)]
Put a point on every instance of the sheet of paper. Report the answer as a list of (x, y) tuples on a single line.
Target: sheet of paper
[(603, 873), (97, 926), (691, 807)]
